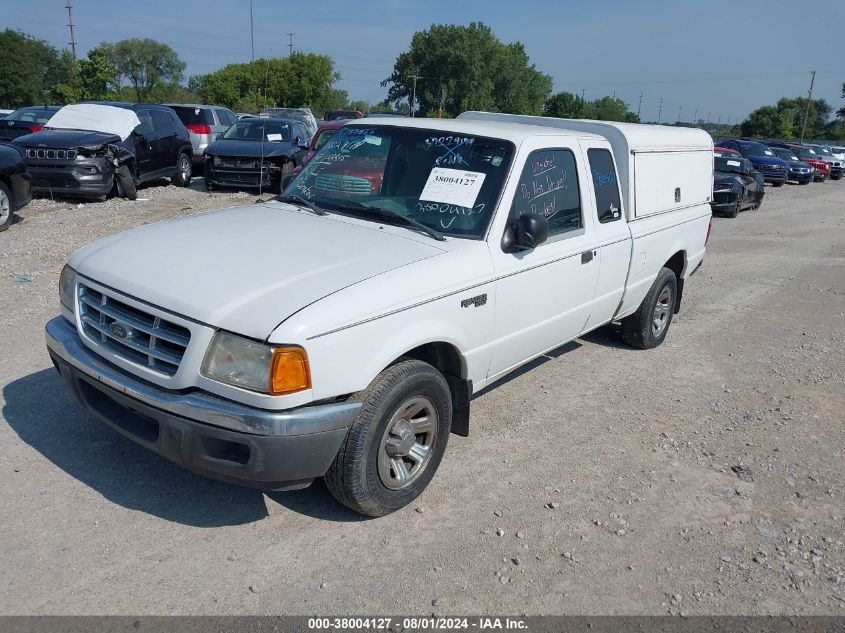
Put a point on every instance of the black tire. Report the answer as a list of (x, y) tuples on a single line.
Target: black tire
[(209, 186), (7, 207), (354, 477), (836, 177), (736, 208), (284, 177), (778, 183), (805, 182), (638, 329), (184, 171), (125, 183)]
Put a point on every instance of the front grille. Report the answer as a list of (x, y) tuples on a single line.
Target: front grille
[(343, 183), (133, 334), (50, 154), (237, 163)]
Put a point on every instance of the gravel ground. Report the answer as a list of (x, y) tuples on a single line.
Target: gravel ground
[(704, 477)]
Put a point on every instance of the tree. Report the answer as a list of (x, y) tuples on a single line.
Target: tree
[(841, 111), (30, 69), (769, 121), (565, 105), (148, 66), (468, 68), (298, 80)]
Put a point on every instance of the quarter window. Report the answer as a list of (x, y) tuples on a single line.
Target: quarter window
[(146, 126), (161, 120), (548, 186), (605, 184)]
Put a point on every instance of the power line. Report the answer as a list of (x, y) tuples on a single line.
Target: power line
[(70, 23)]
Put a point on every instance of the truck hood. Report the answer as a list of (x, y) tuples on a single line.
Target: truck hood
[(66, 139), (248, 268)]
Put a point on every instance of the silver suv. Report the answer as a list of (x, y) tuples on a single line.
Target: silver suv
[(204, 123)]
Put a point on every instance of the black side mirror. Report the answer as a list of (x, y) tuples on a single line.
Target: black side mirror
[(527, 233), (302, 143)]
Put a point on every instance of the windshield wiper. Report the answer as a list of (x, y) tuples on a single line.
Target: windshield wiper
[(363, 210), (302, 202)]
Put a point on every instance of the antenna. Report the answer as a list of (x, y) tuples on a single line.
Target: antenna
[(70, 23), (290, 43), (251, 32), (263, 131)]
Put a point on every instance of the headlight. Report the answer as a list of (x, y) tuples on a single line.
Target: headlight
[(67, 281), (248, 364)]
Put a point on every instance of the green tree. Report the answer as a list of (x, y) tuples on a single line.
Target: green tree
[(565, 105), (611, 109), (768, 121), (146, 65), (471, 68), (30, 70), (299, 80), (841, 111)]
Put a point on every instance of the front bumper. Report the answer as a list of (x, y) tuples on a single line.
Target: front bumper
[(800, 176), (227, 176), (92, 178), (274, 450)]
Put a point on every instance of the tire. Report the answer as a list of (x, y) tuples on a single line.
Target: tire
[(641, 329), (184, 171), (805, 182), (7, 207), (836, 177), (209, 186), (778, 184), (381, 441), (125, 183), (736, 208), (284, 177)]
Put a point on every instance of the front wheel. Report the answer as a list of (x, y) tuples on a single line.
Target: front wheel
[(184, 170), (648, 326), (396, 441), (779, 183), (126, 183), (6, 207)]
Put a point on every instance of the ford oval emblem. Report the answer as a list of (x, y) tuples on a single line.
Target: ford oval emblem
[(120, 331)]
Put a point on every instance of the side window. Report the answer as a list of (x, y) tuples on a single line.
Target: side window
[(161, 121), (299, 132), (222, 116), (231, 119), (606, 185), (549, 186), (146, 126)]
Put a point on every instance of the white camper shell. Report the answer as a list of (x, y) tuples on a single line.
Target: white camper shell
[(661, 168)]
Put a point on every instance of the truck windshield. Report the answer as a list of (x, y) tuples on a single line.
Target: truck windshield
[(448, 182), (755, 149), (822, 151), (256, 129)]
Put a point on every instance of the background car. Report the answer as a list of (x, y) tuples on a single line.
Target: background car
[(736, 185), (25, 121), (204, 123), (335, 115), (774, 170), (324, 133), (4, 112), (838, 151), (93, 149), (304, 115), (256, 152), (837, 167), (808, 155), (14, 183), (799, 171), (725, 151)]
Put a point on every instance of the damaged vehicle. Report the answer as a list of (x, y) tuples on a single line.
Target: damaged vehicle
[(736, 185), (93, 150), (256, 153)]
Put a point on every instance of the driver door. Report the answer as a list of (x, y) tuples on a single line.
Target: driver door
[(544, 295)]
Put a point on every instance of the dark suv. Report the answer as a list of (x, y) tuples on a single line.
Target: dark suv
[(92, 149)]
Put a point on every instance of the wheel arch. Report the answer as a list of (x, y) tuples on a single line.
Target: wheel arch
[(678, 264), (448, 360)]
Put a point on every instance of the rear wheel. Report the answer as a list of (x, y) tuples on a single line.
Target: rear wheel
[(648, 326), (184, 170), (396, 442), (6, 207), (779, 183)]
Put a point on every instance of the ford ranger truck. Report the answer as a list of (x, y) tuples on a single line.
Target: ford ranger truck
[(341, 329)]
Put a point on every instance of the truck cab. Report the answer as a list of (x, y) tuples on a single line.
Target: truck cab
[(341, 330)]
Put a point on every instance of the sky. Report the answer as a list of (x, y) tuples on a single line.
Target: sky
[(717, 59)]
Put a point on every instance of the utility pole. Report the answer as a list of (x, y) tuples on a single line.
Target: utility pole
[(807, 111), (660, 111), (695, 118), (413, 103), (290, 43), (70, 23), (640, 105), (680, 110), (251, 32), (583, 93)]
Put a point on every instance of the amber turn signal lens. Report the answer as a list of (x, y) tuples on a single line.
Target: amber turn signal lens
[(289, 371)]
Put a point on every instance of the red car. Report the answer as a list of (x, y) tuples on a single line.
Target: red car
[(724, 151), (365, 176), (808, 155)]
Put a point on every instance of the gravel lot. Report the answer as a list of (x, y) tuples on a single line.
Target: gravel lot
[(705, 477)]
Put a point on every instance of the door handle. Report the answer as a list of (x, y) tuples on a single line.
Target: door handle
[(587, 257)]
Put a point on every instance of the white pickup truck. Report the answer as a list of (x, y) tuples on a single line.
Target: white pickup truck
[(341, 330)]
